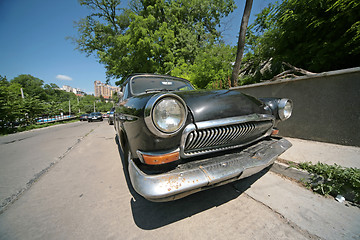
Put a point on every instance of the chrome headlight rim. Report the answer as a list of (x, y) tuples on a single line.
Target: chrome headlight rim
[(281, 109), (148, 114)]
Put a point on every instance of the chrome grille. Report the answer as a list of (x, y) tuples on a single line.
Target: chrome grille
[(222, 137)]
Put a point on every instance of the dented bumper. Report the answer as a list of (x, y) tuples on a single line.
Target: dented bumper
[(213, 171)]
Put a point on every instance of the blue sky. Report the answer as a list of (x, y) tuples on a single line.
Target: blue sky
[(33, 41)]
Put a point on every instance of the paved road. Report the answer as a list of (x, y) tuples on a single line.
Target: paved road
[(25, 156), (86, 196)]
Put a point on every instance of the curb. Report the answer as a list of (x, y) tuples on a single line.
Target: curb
[(301, 176), (37, 129), (290, 172)]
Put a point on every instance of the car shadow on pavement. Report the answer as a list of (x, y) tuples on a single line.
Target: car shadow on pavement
[(152, 215)]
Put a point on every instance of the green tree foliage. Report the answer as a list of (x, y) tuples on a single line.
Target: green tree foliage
[(211, 68), (31, 86), (115, 97), (11, 104), (316, 35), (153, 36), (86, 104), (39, 100), (3, 97)]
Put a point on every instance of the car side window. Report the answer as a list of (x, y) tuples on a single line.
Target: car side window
[(126, 92)]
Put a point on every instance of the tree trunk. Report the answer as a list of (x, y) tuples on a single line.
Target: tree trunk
[(241, 43)]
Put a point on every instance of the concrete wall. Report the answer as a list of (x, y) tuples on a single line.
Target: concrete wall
[(326, 105)]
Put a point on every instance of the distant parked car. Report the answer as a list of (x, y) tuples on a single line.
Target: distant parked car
[(177, 140), (106, 115), (95, 116), (83, 117), (111, 118)]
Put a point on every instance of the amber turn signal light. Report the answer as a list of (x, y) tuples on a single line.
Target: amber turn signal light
[(275, 131), (161, 159)]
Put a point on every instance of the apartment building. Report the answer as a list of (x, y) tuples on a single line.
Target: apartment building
[(105, 90), (77, 91)]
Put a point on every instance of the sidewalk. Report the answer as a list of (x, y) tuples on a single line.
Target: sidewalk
[(312, 151), (320, 216)]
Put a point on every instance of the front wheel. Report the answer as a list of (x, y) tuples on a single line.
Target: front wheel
[(124, 146), (127, 155)]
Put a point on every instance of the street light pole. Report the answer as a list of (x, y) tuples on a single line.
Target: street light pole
[(94, 107), (69, 108)]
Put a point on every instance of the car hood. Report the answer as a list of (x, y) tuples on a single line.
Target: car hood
[(216, 104)]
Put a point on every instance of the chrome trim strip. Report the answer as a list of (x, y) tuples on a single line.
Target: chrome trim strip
[(189, 128), (234, 120), (206, 173), (201, 152), (223, 135)]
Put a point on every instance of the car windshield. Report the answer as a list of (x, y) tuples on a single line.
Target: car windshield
[(147, 84), (95, 113)]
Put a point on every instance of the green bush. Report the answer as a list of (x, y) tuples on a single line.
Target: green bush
[(5, 131), (335, 180)]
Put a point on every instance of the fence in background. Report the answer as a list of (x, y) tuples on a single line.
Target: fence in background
[(57, 118)]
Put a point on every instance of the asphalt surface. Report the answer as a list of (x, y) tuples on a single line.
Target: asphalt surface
[(25, 156), (83, 192)]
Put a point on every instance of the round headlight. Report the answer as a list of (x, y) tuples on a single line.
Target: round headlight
[(169, 115), (165, 114), (285, 109)]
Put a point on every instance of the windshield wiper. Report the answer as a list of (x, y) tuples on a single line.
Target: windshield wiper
[(158, 90)]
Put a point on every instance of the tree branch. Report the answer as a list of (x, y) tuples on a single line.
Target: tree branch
[(300, 70), (291, 72)]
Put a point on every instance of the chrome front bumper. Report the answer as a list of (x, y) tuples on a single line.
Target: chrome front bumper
[(196, 176)]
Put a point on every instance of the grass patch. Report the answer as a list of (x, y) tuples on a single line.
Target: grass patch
[(333, 180), (6, 131)]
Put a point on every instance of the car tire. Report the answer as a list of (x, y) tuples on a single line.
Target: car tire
[(124, 151), (127, 155), (124, 146)]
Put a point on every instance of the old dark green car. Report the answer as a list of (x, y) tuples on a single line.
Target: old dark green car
[(177, 140)]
